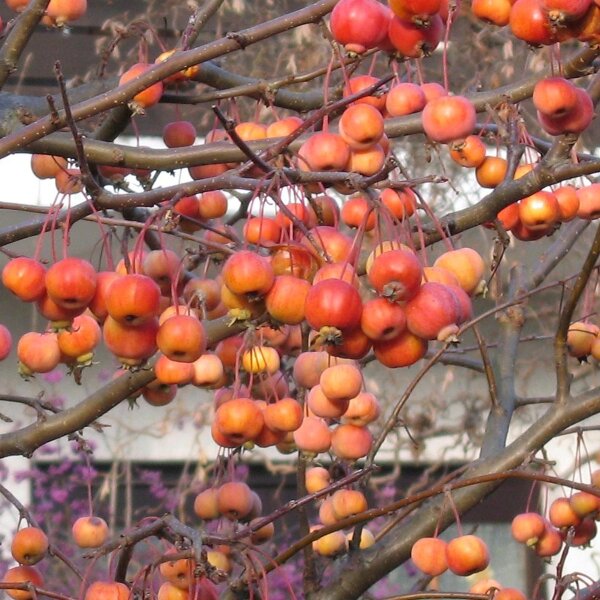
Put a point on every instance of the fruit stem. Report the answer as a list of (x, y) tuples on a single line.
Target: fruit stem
[(326, 93), (452, 8), (448, 494)]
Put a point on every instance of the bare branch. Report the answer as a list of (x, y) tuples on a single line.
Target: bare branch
[(19, 36), (563, 380)]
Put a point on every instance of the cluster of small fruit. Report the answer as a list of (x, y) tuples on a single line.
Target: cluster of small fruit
[(272, 417), (181, 583), (68, 178), (236, 502), (412, 305), (334, 508), (414, 28), (561, 106), (543, 22), (425, 302), (541, 213), (232, 502), (410, 28), (534, 216), (127, 305), (463, 555), (231, 506), (329, 401), (361, 145), (151, 95), (570, 520), (183, 133), (30, 545)]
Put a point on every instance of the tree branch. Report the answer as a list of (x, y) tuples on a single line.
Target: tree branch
[(500, 416), (563, 380), (12, 142), (18, 37), (512, 321), (383, 558), (26, 440)]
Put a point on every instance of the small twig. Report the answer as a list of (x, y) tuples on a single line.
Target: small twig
[(233, 85), (578, 429), (559, 588), (54, 116), (126, 541), (90, 183), (197, 22), (55, 551), (210, 246), (441, 595), (229, 126), (309, 575), (23, 512), (487, 366), (305, 499), (29, 587), (320, 114), (392, 420), (36, 403), (537, 400), (560, 341)]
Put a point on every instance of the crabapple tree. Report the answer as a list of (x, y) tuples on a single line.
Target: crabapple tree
[(363, 233)]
